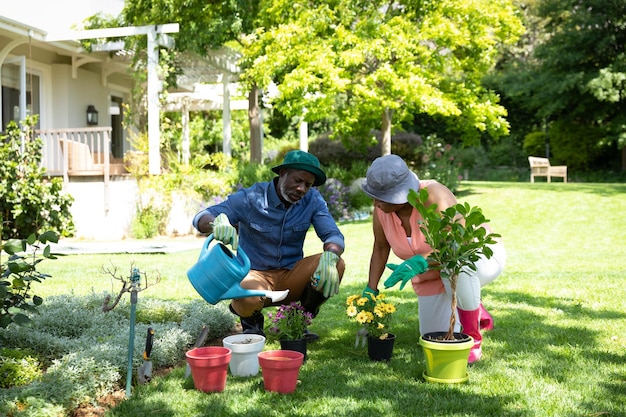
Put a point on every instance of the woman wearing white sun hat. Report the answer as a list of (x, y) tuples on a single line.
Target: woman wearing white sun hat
[(396, 227)]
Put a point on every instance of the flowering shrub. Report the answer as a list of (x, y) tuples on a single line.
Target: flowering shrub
[(290, 321), (439, 163), (337, 198), (375, 315)]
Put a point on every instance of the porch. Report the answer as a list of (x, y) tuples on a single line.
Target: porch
[(80, 152), (104, 192)]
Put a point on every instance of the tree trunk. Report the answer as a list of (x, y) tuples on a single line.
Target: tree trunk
[(256, 148), (450, 334), (385, 143)]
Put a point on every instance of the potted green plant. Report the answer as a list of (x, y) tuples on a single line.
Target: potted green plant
[(373, 314), (289, 324), (458, 239)]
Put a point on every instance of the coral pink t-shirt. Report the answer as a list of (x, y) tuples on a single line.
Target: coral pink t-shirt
[(397, 238)]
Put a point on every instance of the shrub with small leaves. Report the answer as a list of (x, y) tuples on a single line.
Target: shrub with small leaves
[(439, 162), (18, 367), (29, 202), (337, 198)]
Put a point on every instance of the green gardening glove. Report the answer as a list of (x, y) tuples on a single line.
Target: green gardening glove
[(370, 294), (326, 277), (406, 270), (224, 232)]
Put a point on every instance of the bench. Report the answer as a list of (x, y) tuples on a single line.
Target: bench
[(540, 167), (82, 162)]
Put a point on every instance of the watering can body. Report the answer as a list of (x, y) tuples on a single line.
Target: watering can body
[(218, 273)]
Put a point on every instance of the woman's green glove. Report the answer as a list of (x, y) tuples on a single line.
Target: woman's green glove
[(326, 277), (224, 232), (406, 271), (369, 293)]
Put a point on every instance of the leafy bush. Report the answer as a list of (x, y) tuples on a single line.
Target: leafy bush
[(535, 144), (151, 214), (28, 202), (17, 275), (18, 367), (337, 198), (574, 145), (90, 362), (438, 161)]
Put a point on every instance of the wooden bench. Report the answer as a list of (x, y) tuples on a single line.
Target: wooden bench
[(540, 167), (82, 162)]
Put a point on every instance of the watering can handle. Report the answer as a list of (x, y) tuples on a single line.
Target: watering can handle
[(240, 253)]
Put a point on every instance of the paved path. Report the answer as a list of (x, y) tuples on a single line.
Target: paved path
[(156, 245)]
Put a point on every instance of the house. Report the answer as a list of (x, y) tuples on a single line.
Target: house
[(80, 98)]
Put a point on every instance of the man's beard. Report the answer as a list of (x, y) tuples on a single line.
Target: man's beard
[(285, 195)]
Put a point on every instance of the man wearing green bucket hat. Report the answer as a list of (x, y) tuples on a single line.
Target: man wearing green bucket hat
[(269, 221)]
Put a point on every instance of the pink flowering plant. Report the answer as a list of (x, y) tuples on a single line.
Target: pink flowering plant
[(290, 321), (374, 315)]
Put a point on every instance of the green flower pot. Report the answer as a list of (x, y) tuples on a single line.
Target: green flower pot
[(446, 361)]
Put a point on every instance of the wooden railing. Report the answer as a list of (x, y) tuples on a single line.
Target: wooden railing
[(79, 152)]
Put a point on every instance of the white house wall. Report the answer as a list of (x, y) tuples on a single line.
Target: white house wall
[(90, 218)]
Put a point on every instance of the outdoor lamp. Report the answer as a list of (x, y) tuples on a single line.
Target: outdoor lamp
[(92, 115)]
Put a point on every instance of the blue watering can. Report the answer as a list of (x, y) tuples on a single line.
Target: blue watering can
[(218, 273)]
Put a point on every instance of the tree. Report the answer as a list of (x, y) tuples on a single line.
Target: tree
[(375, 64), (576, 72)]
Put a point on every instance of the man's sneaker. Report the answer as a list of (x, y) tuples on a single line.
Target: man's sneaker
[(310, 337)]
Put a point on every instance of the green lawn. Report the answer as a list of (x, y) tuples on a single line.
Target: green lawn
[(558, 349)]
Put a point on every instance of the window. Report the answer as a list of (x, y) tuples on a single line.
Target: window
[(10, 78)]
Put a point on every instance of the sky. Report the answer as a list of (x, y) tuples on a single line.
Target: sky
[(57, 15)]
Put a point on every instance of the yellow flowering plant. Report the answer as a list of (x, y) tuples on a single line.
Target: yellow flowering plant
[(373, 313)]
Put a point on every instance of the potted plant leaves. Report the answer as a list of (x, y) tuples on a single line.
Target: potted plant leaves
[(458, 239)]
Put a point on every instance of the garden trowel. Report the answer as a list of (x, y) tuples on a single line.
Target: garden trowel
[(199, 342), (144, 372)]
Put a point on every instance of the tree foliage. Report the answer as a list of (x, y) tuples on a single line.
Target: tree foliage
[(368, 64), (575, 72)]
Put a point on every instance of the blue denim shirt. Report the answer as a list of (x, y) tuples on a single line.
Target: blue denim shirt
[(271, 234)]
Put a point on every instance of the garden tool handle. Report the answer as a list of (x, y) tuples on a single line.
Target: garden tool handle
[(202, 337), (149, 338)]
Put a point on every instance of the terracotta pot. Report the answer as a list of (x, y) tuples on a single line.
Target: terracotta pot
[(298, 345), (245, 349), (446, 361), (380, 350), (209, 366), (280, 370)]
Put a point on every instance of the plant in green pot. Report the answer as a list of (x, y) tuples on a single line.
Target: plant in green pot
[(458, 239)]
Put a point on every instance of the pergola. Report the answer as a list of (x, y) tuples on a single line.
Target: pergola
[(207, 84)]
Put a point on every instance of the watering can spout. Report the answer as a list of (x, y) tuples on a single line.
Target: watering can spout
[(236, 291)]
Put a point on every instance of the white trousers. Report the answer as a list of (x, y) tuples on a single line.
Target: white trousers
[(434, 310)]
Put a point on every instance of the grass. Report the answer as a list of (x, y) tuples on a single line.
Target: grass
[(558, 349)]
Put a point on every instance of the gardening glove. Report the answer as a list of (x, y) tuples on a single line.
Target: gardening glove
[(369, 294), (406, 270), (326, 277), (224, 232)]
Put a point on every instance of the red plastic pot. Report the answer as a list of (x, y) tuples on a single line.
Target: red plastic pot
[(209, 367), (280, 370)]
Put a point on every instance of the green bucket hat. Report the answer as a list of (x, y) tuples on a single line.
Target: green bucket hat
[(303, 161)]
